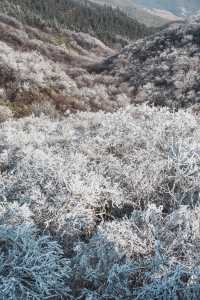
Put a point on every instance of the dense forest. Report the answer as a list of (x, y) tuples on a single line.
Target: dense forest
[(108, 24)]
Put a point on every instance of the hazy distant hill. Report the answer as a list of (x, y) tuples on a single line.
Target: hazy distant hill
[(150, 15), (178, 7)]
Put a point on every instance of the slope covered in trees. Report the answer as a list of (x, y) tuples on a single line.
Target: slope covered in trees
[(178, 7), (144, 14), (108, 24)]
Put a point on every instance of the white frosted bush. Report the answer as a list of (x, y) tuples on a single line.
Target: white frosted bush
[(128, 239), (32, 266), (5, 113), (119, 190), (107, 263), (2, 93), (30, 68), (46, 108), (100, 161), (177, 283), (15, 214)]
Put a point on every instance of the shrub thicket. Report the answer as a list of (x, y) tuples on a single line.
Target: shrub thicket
[(32, 266), (119, 191)]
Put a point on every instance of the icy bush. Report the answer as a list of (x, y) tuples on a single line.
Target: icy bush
[(32, 266), (46, 108), (120, 191), (5, 113), (33, 76), (121, 264), (101, 162), (15, 214), (30, 68)]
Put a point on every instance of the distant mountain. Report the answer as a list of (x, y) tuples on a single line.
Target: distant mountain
[(178, 7), (150, 15)]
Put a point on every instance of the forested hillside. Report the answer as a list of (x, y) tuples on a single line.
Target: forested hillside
[(178, 7), (145, 15), (108, 24)]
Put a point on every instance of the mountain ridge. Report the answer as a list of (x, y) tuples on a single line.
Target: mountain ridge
[(181, 8), (155, 12), (146, 15)]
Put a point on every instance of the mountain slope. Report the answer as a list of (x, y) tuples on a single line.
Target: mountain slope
[(75, 71), (155, 12), (45, 48), (163, 69), (178, 7), (146, 15), (110, 25), (40, 66)]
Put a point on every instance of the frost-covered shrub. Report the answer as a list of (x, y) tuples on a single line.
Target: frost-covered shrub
[(177, 283), (34, 76), (120, 191), (112, 254), (5, 113), (32, 266), (107, 268), (31, 69), (46, 108), (15, 214), (2, 93), (100, 162)]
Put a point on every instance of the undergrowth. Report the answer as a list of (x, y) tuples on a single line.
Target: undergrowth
[(116, 194)]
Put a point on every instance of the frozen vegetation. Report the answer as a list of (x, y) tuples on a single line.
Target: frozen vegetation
[(38, 66), (100, 205), (99, 191), (77, 72), (162, 69)]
